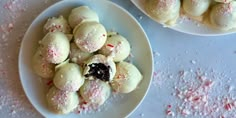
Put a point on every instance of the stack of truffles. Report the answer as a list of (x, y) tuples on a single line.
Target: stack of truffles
[(217, 14), (83, 60)]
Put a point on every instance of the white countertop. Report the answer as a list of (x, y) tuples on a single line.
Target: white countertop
[(215, 56)]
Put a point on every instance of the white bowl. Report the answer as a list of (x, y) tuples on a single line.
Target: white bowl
[(112, 17), (187, 26)]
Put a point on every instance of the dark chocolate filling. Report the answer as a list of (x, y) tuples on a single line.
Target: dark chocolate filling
[(99, 71)]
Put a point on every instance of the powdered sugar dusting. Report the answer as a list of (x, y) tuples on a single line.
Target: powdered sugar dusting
[(165, 4), (16, 15)]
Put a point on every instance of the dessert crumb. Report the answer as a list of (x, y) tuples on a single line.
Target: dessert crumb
[(193, 61), (142, 115), (156, 54)]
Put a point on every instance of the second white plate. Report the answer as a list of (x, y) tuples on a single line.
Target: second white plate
[(187, 26)]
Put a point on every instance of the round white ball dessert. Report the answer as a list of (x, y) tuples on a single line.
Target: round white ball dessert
[(100, 67), (90, 36), (223, 16), (55, 47), (80, 14), (196, 7), (69, 77), (57, 24), (77, 55), (116, 46), (95, 91), (42, 67), (164, 11), (62, 102), (127, 78)]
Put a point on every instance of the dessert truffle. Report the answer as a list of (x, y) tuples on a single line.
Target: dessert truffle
[(57, 24), (82, 13), (196, 7), (223, 16), (42, 67), (116, 46), (127, 78), (62, 102), (99, 67), (164, 11), (55, 47), (90, 36), (95, 91), (69, 77)]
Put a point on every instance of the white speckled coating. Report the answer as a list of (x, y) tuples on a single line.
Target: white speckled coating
[(69, 77), (127, 78), (62, 102), (57, 24), (223, 16), (116, 46), (90, 36), (80, 14), (196, 7), (95, 91), (55, 47), (42, 67), (165, 11)]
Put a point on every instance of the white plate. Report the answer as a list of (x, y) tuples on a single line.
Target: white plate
[(187, 26), (112, 17)]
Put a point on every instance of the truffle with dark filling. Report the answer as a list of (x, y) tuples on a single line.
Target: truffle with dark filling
[(100, 67), (99, 71)]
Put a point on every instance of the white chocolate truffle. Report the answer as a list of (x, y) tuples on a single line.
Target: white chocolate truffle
[(116, 46), (224, 1), (196, 7), (100, 67), (62, 102), (42, 67), (57, 24), (223, 16), (127, 78), (77, 55), (95, 91), (55, 47), (164, 11), (82, 13), (69, 77), (90, 36)]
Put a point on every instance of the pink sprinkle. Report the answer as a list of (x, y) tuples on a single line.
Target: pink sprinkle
[(208, 83), (185, 112), (228, 106), (110, 45), (50, 83), (10, 25), (121, 76), (168, 112), (155, 74)]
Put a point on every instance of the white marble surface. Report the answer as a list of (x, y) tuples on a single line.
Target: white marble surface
[(214, 55)]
